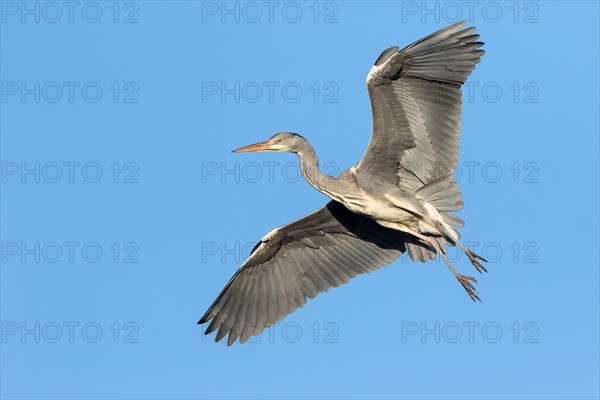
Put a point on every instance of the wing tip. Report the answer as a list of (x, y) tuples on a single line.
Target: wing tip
[(206, 317), (453, 28), (231, 339), (460, 24)]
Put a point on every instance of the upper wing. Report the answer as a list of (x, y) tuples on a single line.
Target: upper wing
[(416, 102), (322, 250)]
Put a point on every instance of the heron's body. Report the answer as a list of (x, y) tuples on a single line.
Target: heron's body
[(389, 205), (401, 197)]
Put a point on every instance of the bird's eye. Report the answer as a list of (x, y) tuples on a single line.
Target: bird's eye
[(278, 141)]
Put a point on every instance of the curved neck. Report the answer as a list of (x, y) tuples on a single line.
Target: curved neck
[(309, 166)]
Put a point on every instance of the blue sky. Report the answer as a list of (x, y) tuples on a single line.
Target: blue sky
[(124, 212)]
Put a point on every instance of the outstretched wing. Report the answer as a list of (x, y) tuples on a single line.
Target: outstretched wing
[(322, 250), (416, 102)]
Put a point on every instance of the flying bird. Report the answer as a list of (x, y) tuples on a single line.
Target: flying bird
[(399, 198)]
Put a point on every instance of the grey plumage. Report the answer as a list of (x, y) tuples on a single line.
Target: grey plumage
[(400, 197), (345, 245)]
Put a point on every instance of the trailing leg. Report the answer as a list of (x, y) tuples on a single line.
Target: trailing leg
[(465, 281)]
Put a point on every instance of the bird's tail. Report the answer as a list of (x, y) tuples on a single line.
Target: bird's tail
[(444, 195)]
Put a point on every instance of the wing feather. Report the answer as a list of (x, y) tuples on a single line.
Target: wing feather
[(416, 103), (298, 261)]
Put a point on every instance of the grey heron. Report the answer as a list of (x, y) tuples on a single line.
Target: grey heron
[(399, 198)]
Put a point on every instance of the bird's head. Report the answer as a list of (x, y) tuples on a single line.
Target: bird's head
[(281, 142)]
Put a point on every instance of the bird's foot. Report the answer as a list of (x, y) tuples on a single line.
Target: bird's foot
[(465, 281), (474, 260)]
